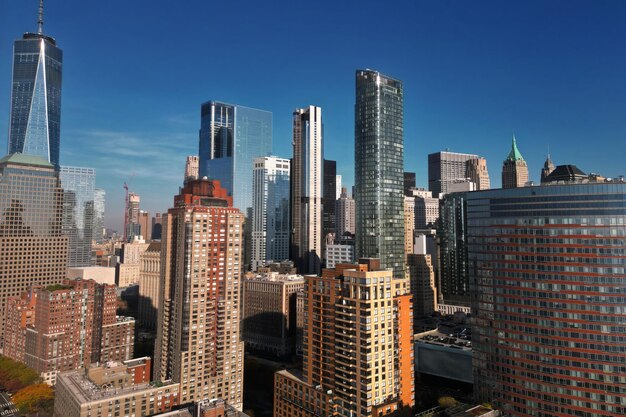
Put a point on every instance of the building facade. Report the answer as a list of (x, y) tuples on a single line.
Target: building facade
[(344, 215), (149, 280), (476, 171), (192, 168), (199, 342), (33, 249), (78, 212), (99, 198), (547, 266), (307, 189), (422, 283), (340, 252), (271, 210), (426, 208), (329, 196), (379, 169), (514, 168), (445, 167)]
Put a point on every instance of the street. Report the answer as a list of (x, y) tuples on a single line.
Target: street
[(7, 409)]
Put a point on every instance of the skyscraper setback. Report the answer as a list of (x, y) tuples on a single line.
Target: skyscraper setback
[(35, 121), (306, 189), (379, 172)]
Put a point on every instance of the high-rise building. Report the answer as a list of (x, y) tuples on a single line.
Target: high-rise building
[(307, 189), (409, 182), (422, 279), (547, 268), (199, 340), (231, 137), (149, 279), (156, 226), (339, 252), (547, 169), (409, 223), (145, 225), (426, 208), (476, 172), (344, 215), (329, 196), (514, 168), (271, 210), (33, 250), (78, 212), (379, 169), (192, 168), (338, 187), (269, 313), (446, 167), (132, 228), (67, 326), (99, 196), (358, 350), (35, 121), (127, 270)]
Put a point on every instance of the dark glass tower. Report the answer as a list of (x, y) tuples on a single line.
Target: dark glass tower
[(379, 169), (35, 121)]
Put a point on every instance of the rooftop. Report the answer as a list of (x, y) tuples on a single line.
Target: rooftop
[(515, 154), (22, 159)]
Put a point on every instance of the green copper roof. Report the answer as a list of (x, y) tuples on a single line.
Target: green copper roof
[(515, 154), (20, 158)]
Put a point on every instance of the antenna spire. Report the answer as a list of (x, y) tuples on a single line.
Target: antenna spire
[(40, 18)]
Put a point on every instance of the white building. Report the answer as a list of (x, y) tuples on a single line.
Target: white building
[(339, 254)]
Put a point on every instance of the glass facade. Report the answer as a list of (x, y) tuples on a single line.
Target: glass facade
[(547, 270), (379, 169), (329, 197), (231, 137), (99, 198), (35, 121), (78, 212)]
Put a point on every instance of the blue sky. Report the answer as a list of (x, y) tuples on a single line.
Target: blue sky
[(474, 72)]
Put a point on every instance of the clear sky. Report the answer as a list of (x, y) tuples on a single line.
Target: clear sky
[(135, 73)]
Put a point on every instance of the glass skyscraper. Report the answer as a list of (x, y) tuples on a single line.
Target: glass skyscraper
[(231, 137), (547, 272), (35, 121), (99, 199), (379, 169), (78, 212)]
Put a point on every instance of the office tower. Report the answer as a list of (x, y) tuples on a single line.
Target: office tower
[(35, 121), (445, 167), (127, 270), (271, 210), (113, 390), (339, 250), (344, 214), (379, 169), (156, 226), (67, 326), (231, 137), (426, 208), (269, 313), (514, 168), (422, 282), (547, 298), (476, 172), (33, 250), (198, 334), (357, 346), (329, 196), (99, 196), (78, 212), (192, 168), (547, 169), (132, 228), (338, 187), (306, 189), (145, 225), (409, 182), (149, 279), (409, 223)]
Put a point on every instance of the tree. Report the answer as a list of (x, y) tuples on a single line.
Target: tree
[(15, 375), (34, 398), (446, 402)]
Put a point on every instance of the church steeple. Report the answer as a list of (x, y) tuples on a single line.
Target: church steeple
[(547, 169)]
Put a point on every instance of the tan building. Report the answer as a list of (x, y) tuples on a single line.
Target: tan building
[(149, 278), (514, 169), (111, 391), (269, 312), (32, 249), (409, 224), (192, 168), (67, 326), (198, 334), (128, 269), (422, 282), (145, 224), (344, 212), (100, 274), (358, 349), (476, 171)]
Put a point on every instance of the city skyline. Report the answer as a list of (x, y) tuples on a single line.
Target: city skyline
[(519, 70)]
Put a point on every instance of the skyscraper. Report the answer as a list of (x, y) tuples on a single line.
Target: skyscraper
[(444, 168), (270, 214), (33, 249), (476, 171), (329, 197), (192, 168), (99, 197), (409, 182), (307, 189), (35, 121), (131, 217), (547, 169), (78, 212), (344, 214), (198, 334), (547, 269), (514, 168), (231, 136), (379, 169)]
